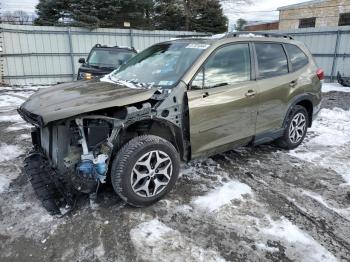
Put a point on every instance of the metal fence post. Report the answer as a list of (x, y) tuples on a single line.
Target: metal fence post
[(71, 52), (131, 38), (335, 55), (2, 60)]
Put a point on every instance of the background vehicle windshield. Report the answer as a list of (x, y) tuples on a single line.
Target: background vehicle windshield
[(160, 65), (108, 58)]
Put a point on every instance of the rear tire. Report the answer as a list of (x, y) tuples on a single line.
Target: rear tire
[(296, 128), (144, 170)]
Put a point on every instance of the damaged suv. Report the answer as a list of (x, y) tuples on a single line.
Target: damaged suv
[(174, 101)]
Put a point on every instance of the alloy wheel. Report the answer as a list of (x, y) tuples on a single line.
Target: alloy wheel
[(297, 128), (151, 173)]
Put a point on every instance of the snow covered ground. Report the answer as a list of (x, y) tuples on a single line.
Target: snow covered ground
[(249, 204), (329, 87)]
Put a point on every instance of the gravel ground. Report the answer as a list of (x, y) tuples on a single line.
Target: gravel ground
[(249, 204)]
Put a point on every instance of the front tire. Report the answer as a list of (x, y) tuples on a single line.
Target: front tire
[(296, 128), (144, 170)]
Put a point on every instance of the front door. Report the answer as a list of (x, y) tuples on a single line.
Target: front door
[(223, 101)]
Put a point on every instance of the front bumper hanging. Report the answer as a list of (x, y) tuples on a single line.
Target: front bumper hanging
[(50, 189)]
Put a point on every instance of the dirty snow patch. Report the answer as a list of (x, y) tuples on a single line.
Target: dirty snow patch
[(332, 127), (18, 127), (33, 221), (9, 152), (23, 88), (8, 173), (345, 212), (154, 241), (222, 196), (10, 100), (327, 142), (11, 118), (296, 239), (328, 87), (24, 137), (263, 247), (4, 183)]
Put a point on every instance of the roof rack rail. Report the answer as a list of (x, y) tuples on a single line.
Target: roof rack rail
[(192, 36), (258, 33)]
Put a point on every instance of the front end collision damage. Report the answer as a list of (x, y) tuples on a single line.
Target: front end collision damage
[(72, 156)]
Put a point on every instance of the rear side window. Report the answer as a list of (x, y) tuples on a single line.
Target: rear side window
[(296, 56), (272, 60)]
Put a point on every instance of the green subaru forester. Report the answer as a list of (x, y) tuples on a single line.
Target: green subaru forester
[(174, 101)]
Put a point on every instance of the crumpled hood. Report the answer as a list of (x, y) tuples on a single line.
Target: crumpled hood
[(69, 99)]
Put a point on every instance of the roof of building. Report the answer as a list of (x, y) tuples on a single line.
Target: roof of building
[(253, 23), (301, 5)]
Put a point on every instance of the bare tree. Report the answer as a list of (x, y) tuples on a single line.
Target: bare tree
[(22, 17), (232, 8), (8, 17), (240, 24), (17, 17)]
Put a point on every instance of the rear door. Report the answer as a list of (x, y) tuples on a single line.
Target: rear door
[(275, 85), (222, 101)]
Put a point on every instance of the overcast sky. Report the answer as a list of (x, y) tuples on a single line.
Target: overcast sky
[(257, 11)]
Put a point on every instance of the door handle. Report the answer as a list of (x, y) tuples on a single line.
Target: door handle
[(250, 93), (205, 94), (293, 83)]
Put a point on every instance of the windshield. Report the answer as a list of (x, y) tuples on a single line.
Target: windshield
[(108, 58), (159, 65)]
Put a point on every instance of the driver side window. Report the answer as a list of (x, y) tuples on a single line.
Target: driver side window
[(228, 65)]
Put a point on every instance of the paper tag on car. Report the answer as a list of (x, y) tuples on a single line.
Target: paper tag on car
[(198, 46)]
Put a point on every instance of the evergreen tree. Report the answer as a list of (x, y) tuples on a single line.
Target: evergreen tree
[(92, 13), (206, 16), (190, 15), (84, 13), (50, 11), (169, 15), (196, 15), (137, 12)]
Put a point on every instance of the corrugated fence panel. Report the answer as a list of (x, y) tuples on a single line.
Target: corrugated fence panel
[(329, 45), (42, 54), (46, 55)]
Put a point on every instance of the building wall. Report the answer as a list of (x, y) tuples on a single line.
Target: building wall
[(326, 13), (262, 27)]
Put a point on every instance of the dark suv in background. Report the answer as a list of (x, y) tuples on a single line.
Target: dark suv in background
[(102, 60)]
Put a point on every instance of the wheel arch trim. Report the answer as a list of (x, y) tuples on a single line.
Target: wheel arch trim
[(175, 132), (296, 100)]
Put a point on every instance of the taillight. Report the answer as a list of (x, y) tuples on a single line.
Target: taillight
[(320, 74)]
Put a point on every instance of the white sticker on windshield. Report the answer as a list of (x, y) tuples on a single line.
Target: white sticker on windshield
[(198, 46), (166, 83)]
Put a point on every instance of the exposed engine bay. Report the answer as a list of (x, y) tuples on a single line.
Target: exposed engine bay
[(78, 151)]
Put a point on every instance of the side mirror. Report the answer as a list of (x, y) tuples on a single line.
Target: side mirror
[(81, 60)]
